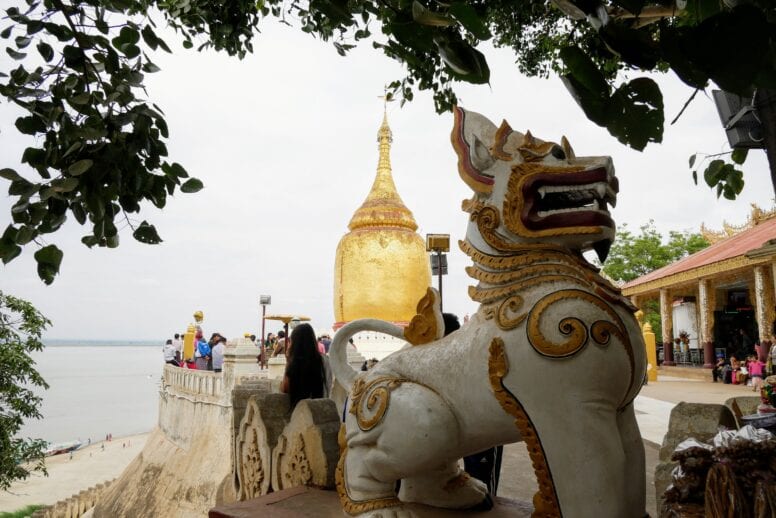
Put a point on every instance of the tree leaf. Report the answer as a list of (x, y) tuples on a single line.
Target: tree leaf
[(22, 41), (635, 113), (146, 233), (49, 259), (584, 71), (80, 167), (467, 15), (425, 16), (191, 185), (45, 50), (711, 174), (14, 54), (65, 184), (692, 160), (739, 155), (9, 174)]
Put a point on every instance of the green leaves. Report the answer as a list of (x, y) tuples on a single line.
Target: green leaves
[(126, 41), (49, 258), (724, 177), (45, 50), (99, 149), (80, 167), (191, 185), (146, 233), (471, 20), (21, 328), (633, 113)]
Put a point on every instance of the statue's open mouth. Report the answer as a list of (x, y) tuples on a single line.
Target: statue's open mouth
[(559, 200), (571, 199)]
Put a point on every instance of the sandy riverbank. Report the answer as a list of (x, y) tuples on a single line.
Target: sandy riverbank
[(89, 466)]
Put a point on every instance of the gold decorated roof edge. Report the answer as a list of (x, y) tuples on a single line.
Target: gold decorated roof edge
[(694, 274)]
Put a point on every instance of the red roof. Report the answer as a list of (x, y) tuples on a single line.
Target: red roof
[(728, 248)]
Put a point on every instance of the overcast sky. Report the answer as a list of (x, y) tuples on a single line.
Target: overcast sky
[(285, 142)]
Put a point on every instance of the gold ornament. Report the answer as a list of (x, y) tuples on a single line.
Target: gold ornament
[(372, 397), (428, 325), (545, 500)]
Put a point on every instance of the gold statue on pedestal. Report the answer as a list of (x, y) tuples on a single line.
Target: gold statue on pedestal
[(188, 338)]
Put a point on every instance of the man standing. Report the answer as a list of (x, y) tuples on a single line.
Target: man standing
[(218, 354)]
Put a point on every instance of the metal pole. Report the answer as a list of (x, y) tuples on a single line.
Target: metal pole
[(439, 271), (263, 314), (285, 351), (261, 347)]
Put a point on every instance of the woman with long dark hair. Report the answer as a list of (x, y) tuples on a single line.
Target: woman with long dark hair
[(305, 374)]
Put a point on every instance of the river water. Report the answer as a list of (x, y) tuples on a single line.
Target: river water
[(96, 390)]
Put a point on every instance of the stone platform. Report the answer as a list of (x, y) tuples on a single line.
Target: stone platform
[(305, 502)]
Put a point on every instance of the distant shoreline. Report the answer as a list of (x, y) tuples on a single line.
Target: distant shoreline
[(58, 342)]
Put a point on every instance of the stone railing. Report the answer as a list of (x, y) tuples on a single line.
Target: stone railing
[(75, 506), (193, 382)]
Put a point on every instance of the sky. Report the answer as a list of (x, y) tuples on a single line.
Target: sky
[(285, 143)]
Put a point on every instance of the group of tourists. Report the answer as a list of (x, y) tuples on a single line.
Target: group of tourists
[(277, 345), (748, 372), (208, 354)]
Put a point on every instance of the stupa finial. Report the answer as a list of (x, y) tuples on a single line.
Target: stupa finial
[(383, 205)]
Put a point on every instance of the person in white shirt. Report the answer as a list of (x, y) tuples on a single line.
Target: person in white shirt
[(218, 354), (169, 353)]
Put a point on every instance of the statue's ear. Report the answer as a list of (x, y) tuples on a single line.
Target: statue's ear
[(472, 133)]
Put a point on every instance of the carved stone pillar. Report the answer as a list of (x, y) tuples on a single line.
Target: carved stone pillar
[(764, 300), (239, 362), (667, 323), (706, 305)]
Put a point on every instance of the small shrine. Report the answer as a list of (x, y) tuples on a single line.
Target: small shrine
[(718, 293)]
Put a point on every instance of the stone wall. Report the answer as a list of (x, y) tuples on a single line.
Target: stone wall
[(186, 467), (75, 506)]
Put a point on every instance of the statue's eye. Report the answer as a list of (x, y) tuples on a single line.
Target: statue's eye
[(558, 152)]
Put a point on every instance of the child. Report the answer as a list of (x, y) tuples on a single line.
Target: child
[(756, 370)]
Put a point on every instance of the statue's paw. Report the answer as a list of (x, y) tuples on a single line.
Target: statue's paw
[(460, 492)]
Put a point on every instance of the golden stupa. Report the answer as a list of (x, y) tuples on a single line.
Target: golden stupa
[(382, 269)]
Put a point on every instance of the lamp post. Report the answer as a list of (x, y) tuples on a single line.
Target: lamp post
[(438, 245), (264, 300)]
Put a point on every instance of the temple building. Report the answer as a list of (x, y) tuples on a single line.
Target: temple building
[(715, 295), (381, 268)]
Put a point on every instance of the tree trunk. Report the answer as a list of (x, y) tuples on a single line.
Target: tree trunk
[(765, 102)]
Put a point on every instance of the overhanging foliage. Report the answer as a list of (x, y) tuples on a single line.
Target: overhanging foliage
[(98, 146)]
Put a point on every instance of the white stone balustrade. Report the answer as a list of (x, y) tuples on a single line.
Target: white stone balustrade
[(193, 382)]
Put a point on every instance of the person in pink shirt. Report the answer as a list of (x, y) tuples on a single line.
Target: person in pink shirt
[(756, 369)]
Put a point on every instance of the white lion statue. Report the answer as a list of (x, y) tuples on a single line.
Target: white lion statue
[(553, 357)]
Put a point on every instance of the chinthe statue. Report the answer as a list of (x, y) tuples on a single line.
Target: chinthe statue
[(553, 356)]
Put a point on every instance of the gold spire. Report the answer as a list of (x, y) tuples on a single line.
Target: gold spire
[(383, 206), (381, 268)]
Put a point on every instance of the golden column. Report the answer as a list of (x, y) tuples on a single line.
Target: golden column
[(764, 301), (381, 268), (667, 324), (706, 304)]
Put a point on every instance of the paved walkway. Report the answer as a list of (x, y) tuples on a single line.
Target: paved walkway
[(654, 404)]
